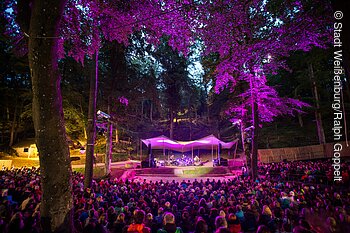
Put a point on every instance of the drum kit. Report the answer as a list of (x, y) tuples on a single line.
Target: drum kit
[(184, 161), (180, 162)]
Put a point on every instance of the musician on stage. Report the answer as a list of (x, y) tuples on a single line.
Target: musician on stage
[(196, 160)]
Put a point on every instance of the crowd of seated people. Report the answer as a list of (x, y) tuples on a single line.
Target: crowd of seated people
[(304, 171), (201, 206)]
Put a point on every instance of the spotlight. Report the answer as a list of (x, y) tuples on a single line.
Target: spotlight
[(103, 114)]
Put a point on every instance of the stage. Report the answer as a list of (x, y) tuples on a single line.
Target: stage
[(132, 170), (179, 173)]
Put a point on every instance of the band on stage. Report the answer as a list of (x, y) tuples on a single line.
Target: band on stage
[(183, 160)]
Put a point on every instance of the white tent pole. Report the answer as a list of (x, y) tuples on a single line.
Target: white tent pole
[(140, 150), (192, 154), (212, 154), (234, 155)]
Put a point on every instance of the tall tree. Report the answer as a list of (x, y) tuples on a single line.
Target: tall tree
[(318, 117), (14, 85), (174, 77), (91, 125), (40, 20), (252, 37)]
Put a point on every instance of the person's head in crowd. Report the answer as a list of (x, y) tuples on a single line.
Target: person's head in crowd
[(201, 226), (201, 211), (160, 211), (174, 208), (304, 224), (286, 227), (167, 205), (222, 230), (102, 219), (222, 213), (149, 217), (300, 229), (214, 212), (332, 224), (185, 215), (263, 229), (232, 218), (91, 213), (267, 210), (220, 221), (121, 218), (168, 218), (139, 216), (16, 221)]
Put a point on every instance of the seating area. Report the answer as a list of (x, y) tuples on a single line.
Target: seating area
[(269, 204)]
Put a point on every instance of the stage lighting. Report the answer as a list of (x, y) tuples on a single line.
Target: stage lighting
[(103, 114)]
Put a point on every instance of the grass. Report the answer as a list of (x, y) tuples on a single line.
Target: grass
[(21, 162), (98, 172), (198, 171)]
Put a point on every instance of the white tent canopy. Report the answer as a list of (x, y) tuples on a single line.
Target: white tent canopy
[(208, 142)]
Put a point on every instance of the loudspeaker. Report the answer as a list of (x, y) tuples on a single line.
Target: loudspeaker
[(223, 162), (145, 164)]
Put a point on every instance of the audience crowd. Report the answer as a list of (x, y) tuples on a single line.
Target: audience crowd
[(271, 203)]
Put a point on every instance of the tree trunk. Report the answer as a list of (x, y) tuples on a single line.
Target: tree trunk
[(171, 131), (55, 168), (300, 119), (82, 112), (109, 144), (190, 129), (13, 126), (142, 107), (116, 136), (255, 133), (18, 123), (151, 112), (318, 117), (8, 113), (241, 125), (3, 131), (91, 126)]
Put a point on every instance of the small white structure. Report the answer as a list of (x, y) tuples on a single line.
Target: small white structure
[(26, 148)]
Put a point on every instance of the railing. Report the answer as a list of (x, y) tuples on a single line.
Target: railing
[(300, 153)]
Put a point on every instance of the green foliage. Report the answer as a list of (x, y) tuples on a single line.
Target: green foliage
[(15, 89), (9, 151), (75, 122)]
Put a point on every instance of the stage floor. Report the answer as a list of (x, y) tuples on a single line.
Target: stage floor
[(133, 171)]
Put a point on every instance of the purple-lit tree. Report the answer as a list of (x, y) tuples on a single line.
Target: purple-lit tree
[(46, 26), (40, 21), (263, 101), (87, 22), (244, 33), (252, 38)]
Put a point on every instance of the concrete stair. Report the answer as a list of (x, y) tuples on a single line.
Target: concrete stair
[(184, 172)]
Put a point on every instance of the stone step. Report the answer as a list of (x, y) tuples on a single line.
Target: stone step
[(192, 171)]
